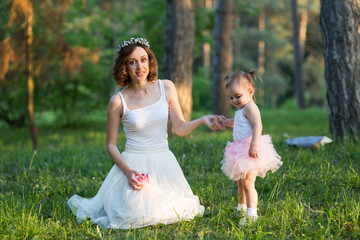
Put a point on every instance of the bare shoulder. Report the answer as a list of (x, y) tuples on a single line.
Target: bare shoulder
[(115, 100), (115, 104), (170, 90), (251, 109), (252, 105), (168, 84)]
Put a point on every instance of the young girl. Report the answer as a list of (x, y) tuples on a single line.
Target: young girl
[(250, 154)]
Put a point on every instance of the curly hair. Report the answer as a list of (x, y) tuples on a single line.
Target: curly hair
[(120, 70)]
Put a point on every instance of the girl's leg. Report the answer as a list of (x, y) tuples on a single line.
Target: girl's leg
[(251, 197), (241, 192), (250, 191), (241, 196)]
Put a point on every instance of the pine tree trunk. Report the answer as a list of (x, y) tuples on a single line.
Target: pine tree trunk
[(223, 55), (340, 21), (298, 75), (261, 43), (179, 48), (261, 53), (29, 78), (208, 4), (206, 59), (302, 33)]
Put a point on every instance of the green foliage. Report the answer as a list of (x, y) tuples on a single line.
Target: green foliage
[(153, 20), (204, 25), (99, 26), (12, 91), (314, 195), (12, 107), (201, 92), (314, 71), (277, 37), (273, 86)]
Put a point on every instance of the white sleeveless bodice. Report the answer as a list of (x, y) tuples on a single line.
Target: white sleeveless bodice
[(147, 127), (242, 128)]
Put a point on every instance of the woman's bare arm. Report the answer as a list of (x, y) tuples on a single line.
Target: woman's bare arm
[(180, 125), (114, 112)]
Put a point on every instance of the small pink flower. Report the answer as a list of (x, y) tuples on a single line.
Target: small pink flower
[(143, 178)]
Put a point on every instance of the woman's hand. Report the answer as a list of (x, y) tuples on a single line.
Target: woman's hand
[(214, 122), (180, 125), (221, 121), (133, 183)]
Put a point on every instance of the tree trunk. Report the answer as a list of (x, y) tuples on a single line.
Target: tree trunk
[(206, 58), (298, 76), (302, 33), (223, 55), (29, 76), (179, 48), (261, 43), (208, 4), (340, 21), (261, 53)]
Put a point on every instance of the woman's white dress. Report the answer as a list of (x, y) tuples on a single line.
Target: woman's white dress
[(167, 198)]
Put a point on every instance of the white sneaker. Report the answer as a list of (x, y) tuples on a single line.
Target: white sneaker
[(240, 210), (242, 221), (247, 220)]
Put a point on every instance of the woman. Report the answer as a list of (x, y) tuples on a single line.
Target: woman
[(126, 198)]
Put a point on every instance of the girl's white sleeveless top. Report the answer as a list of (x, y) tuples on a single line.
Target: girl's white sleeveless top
[(242, 128), (146, 127)]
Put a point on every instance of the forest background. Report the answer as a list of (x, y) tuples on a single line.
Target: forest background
[(74, 46), (314, 195)]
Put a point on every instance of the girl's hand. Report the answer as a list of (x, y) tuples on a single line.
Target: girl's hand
[(133, 183), (214, 122), (228, 122), (222, 121), (253, 152)]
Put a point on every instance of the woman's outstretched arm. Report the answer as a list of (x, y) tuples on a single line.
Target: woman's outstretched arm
[(180, 125)]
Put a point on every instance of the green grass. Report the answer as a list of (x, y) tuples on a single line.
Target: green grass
[(314, 195)]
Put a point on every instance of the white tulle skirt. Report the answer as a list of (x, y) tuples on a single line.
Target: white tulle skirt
[(167, 198), (237, 162)]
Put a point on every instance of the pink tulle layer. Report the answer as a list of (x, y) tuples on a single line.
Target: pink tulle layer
[(237, 163)]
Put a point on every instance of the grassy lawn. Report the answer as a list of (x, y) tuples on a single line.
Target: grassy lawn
[(314, 195)]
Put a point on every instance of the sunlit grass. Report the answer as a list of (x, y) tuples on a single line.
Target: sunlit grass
[(314, 195)]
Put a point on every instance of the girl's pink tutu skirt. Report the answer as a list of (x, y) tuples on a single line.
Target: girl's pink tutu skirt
[(237, 163)]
